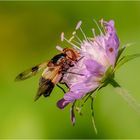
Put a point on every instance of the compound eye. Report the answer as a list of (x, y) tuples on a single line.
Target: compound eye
[(69, 54)]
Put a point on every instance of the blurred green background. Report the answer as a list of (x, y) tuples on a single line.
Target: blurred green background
[(29, 32)]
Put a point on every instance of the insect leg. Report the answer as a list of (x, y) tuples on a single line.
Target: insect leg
[(61, 82), (80, 58), (61, 88)]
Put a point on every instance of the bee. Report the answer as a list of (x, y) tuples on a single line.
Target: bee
[(53, 73)]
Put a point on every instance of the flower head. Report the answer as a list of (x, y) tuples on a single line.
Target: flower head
[(100, 57), (97, 55)]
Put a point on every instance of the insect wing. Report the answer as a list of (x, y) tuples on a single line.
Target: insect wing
[(45, 88), (31, 72), (49, 78)]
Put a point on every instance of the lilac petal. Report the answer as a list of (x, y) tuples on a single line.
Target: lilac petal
[(72, 115), (111, 23), (112, 48), (74, 95), (109, 26), (111, 51), (79, 90), (94, 67), (112, 41), (62, 103), (112, 38)]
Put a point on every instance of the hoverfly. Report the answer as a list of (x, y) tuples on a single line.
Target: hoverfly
[(54, 71)]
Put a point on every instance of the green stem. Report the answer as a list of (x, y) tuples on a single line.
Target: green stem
[(92, 114), (126, 96)]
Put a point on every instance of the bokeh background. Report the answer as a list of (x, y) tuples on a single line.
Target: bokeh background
[(29, 32)]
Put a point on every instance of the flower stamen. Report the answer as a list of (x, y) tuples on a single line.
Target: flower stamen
[(98, 26), (59, 48), (71, 39), (63, 38), (78, 26), (102, 25), (93, 32), (83, 34), (74, 34), (76, 42)]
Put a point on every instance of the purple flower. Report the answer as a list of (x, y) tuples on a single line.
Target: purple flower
[(99, 53)]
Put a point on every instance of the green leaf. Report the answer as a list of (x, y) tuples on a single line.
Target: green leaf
[(120, 53), (108, 74), (114, 83), (125, 59), (121, 50)]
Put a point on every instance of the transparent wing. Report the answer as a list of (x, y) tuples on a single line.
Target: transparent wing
[(31, 72)]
